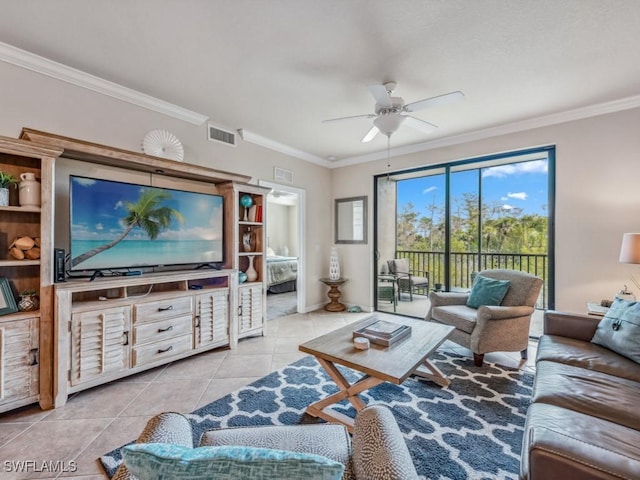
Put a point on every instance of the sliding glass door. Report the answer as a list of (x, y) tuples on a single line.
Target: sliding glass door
[(451, 221)]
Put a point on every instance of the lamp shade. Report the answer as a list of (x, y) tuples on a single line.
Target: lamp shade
[(630, 249)]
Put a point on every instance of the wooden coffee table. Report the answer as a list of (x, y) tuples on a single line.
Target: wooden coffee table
[(380, 364)]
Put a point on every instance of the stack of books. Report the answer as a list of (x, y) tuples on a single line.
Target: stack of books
[(384, 333)]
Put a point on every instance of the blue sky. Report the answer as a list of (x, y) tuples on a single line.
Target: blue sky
[(98, 209), (510, 187)]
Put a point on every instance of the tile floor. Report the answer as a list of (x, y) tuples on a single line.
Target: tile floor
[(98, 420)]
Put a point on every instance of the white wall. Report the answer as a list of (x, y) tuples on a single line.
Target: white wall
[(597, 200), (28, 99), (282, 229)]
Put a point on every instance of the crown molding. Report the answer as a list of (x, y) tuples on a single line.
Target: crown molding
[(44, 66), (265, 142), (529, 124)]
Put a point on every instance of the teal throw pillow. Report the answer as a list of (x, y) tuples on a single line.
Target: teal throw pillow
[(619, 329), (487, 291), (158, 461)]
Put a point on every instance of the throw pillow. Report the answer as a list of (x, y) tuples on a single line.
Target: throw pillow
[(149, 461), (619, 329), (487, 291)]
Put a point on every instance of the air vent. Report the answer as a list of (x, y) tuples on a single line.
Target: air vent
[(282, 175), (217, 134)]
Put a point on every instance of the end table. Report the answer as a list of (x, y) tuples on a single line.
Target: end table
[(334, 294)]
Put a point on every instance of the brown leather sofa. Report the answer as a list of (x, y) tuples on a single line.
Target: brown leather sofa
[(584, 418)]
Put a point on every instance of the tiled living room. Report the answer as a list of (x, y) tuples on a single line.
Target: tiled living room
[(112, 111)]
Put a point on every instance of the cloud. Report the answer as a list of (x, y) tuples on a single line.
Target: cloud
[(501, 171), (85, 182), (118, 205), (429, 189), (99, 226), (507, 207), (518, 195)]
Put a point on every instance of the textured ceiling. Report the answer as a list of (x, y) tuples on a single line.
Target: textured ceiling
[(277, 68)]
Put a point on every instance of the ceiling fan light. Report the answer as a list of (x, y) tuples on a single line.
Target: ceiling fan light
[(388, 124)]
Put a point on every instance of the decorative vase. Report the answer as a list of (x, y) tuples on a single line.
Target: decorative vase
[(247, 241), (29, 190), (252, 274), (242, 277), (334, 264), (28, 303), (4, 197)]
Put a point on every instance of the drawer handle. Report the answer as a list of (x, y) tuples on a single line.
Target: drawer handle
[(34, 356), (197, 321), (168, 329), (165, 350), (125, 334), (164, 309)]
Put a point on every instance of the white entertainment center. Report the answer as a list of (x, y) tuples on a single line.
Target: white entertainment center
[(89, 332)]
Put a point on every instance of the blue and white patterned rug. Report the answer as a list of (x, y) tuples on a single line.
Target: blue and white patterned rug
[(471, 430)]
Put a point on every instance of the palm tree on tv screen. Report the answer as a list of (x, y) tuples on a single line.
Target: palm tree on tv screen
[(148, 213)]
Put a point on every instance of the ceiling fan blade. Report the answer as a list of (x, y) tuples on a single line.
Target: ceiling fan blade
[(370, 135), (418, 124), (381, 95), (433, 101), (368, 115)]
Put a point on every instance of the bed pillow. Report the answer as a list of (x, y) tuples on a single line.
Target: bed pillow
[(163, 460), (619, 329), (270, 252), (487, 291)]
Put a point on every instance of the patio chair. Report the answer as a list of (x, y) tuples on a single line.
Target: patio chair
[(490, 327), (408, 280)]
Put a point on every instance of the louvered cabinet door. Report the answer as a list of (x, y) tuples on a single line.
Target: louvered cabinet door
[(212, 317), (249, 308), (99, 343), (19, 370)]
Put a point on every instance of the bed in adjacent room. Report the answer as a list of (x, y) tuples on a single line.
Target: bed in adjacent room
[(282, 273)]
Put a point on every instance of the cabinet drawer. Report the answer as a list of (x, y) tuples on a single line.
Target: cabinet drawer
[(162, 329), (161, 309), (154, 352)]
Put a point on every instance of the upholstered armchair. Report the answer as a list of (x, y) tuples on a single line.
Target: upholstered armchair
[(408, 280), (377, 450), (490, 328)]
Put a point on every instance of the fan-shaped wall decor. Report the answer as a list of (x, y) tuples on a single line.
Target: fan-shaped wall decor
[(161, 143)]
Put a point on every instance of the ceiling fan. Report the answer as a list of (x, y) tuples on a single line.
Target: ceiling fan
[(390, 111)]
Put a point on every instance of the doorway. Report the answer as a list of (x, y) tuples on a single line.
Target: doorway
[(285, 250)]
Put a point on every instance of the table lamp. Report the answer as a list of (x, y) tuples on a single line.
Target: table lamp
[(630, 251)]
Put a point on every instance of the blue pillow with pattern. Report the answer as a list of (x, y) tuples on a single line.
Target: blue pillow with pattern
[(619, 329), (487, 291), (160, 461)]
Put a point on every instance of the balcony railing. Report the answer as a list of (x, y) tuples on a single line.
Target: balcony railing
[(463, 264)]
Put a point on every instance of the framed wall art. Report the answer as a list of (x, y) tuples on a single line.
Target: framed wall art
[(7, 302)]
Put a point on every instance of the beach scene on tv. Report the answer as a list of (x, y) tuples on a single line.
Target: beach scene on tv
[(120, 225)]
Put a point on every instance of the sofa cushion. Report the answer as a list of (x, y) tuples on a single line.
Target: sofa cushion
[(619, 329), (593, 393), (331, 441), (149, 461), (487, 291), (459, 316), (559, 443), (587, 355)]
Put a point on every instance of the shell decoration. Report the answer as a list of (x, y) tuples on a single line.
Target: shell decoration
[(25, 248)]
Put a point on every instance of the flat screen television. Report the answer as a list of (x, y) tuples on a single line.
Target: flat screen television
[(117, 225)]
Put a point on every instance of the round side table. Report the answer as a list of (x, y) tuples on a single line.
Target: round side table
[(334, 294)]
